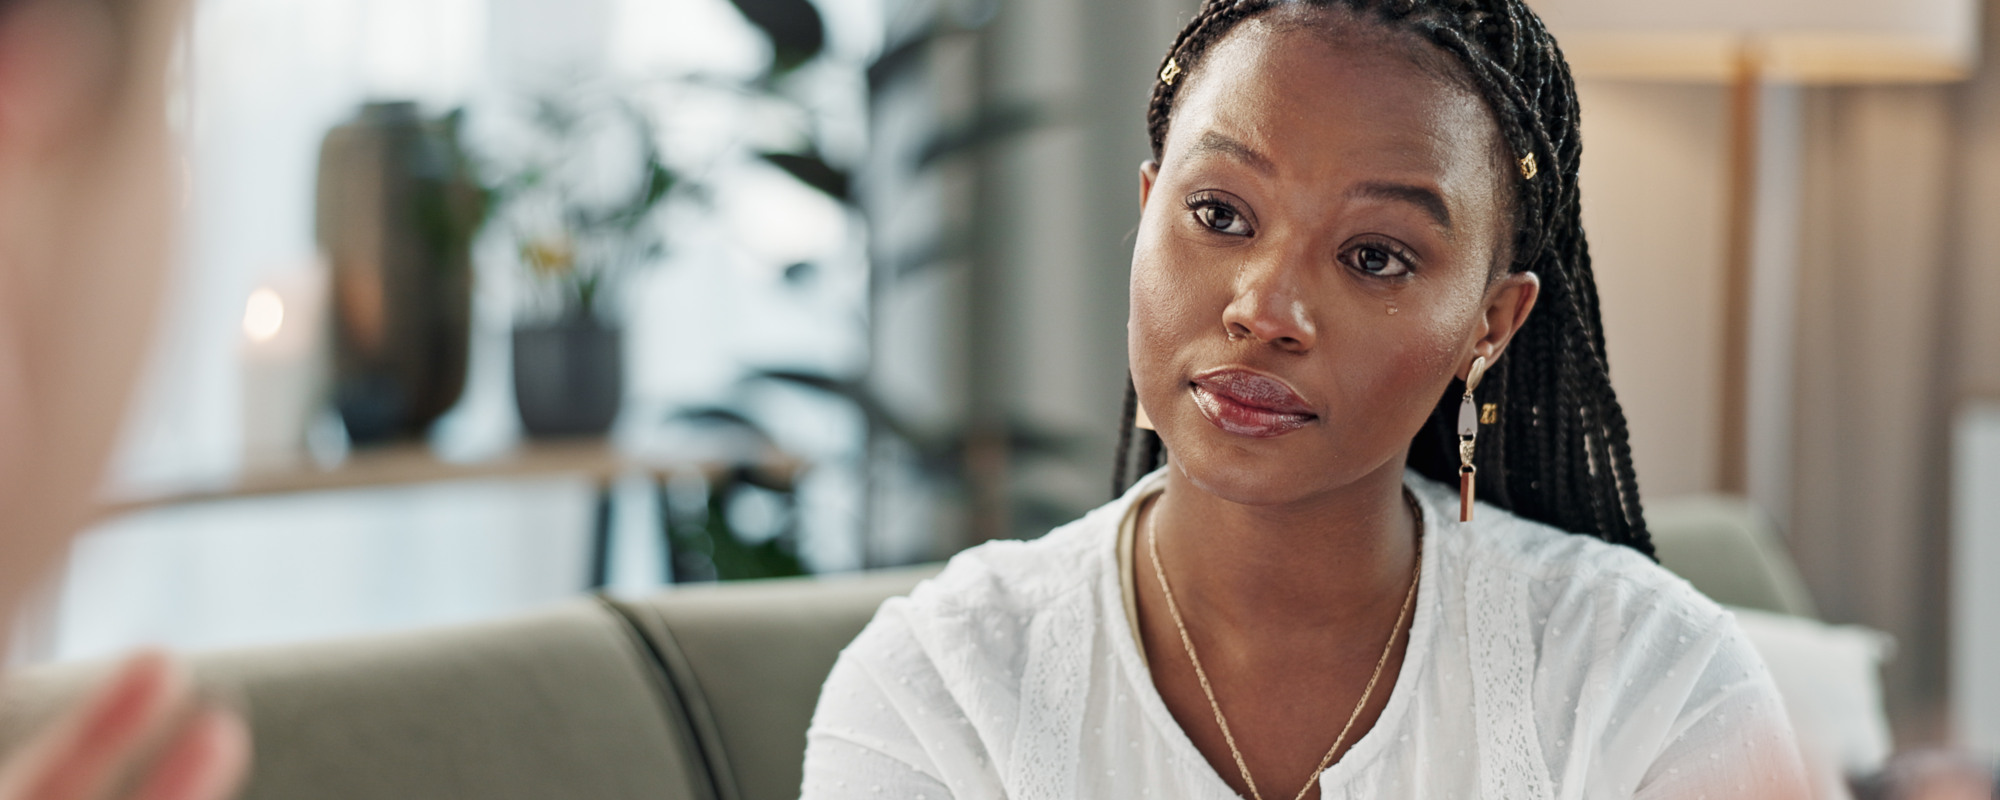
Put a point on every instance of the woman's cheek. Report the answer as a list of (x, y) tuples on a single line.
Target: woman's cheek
[(1149, 342), (1438, 342), (1165, 320), (1432, 350)]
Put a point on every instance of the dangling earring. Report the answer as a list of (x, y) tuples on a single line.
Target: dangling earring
[(1468, 431), (1140, 420)]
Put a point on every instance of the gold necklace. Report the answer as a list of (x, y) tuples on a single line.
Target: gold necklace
[(1409, 599)]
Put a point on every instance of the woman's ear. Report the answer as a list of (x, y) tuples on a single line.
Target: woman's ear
[(1509, 300), (1149, 171)]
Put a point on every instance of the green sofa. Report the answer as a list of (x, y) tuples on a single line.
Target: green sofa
[(700, 693)]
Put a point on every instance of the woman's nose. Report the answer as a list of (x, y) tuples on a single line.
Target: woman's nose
[(1269, 307)]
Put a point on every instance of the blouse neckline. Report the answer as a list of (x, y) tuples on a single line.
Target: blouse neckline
[(1120, 584)]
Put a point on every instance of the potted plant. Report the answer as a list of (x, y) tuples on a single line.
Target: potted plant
[(582, 203)]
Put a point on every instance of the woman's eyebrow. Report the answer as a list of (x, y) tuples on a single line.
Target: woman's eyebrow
[(1214, 142), (1422, 197)]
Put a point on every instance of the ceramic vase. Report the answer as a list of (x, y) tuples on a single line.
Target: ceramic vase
[(397, 208)]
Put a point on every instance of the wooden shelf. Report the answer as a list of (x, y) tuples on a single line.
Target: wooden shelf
[(412, 464)]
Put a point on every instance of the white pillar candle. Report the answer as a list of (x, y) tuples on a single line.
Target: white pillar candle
[(285, 364)]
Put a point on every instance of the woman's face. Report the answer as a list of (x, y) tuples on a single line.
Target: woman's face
[(1316, 260)]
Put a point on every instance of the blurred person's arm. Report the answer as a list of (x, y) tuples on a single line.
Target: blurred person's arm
[(144, 732)]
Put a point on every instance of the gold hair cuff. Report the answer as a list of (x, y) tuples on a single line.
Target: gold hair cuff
[(1169, 72), (1528, 169)]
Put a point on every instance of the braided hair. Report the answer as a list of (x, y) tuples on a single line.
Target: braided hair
[(1560, 453)]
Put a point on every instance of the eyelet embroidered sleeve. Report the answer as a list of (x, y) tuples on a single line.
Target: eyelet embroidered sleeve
[(885, 725), (1731, 738), (1647, 689)]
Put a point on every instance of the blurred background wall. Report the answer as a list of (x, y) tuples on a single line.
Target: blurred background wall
[(1870, 337)]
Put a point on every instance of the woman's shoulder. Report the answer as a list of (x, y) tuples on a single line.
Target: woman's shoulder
[(994, 612), (1023, 575), (987, 595), (1620, 657), (1561, 568), (999, 641)]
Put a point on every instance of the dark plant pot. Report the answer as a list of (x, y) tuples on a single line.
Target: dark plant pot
[(569, 377), (397, 209)]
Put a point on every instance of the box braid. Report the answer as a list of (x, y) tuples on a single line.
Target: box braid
[(1560, 453)]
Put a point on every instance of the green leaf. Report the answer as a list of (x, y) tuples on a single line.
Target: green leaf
[(813, 171), (856, 394), (721, 416), (658, 182), (898, 60), (816, 381), (794, 27), (707, 544)]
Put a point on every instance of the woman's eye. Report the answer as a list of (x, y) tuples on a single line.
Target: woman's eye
[(1222, 219), (1379, 262)]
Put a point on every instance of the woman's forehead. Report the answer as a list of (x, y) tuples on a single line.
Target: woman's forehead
[(1306, 102)]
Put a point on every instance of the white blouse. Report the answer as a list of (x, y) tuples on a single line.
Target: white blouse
[(1540, 665)]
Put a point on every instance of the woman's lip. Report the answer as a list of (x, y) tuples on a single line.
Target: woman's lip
[(1249, 403), (1254, 389)]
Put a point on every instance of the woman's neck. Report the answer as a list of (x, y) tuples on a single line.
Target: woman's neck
[(1323, 562)]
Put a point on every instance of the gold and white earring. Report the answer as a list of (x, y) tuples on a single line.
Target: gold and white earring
[(1469, 418), (1140, 420)]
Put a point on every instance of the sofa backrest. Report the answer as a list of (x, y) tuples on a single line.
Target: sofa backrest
[(1730, 550), (694, 694), (748, 660), (562, 703)]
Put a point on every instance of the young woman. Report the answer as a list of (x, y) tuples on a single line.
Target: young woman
[(1360, 298)]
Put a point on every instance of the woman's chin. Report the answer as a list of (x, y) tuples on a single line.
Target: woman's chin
[(1251, 478)]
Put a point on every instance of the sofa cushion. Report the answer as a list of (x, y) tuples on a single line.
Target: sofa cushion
[(748, 660), (1730, 550), (563, 703)]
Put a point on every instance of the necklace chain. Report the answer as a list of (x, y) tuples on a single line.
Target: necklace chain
[(1409, 599)]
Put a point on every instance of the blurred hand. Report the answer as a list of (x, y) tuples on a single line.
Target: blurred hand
[(144, 735)]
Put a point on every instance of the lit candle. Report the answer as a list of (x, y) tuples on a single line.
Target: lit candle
[(284, 365)]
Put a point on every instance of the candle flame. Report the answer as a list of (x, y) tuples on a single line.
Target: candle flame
[(264, 315)]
